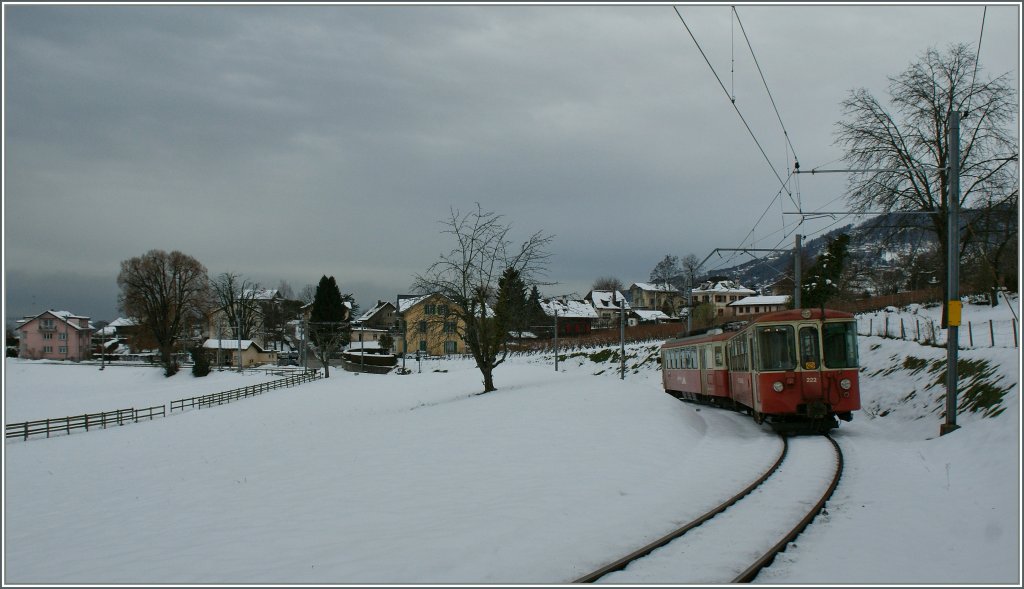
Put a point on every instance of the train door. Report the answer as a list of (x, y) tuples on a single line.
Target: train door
[(755, 391), (810, 362), (707, 370)]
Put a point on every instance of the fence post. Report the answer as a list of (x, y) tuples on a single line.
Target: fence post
[(917, 329), (870, 326), (26, 430), (86, 422), (970, 334), (991, 333), (903, 332), (886, 326), (1014, 332), (47, 427)]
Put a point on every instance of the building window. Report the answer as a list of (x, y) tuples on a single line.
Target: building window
[(62, 350), (449, 327), (451, 347), (64, 336), (423, 345), (47, 323), (47, 349), (431, 310), (47, 336), (422, 327)]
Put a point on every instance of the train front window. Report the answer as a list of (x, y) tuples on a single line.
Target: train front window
[(840, 341), (809, 358), (775, 347)]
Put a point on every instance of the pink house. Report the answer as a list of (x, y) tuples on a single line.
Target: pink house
[(55, 335)]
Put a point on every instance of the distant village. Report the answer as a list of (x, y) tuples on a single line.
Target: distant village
[(67, 336)]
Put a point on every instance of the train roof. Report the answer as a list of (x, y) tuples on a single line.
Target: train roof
[(699, 339), (798, 314), (785, 315)]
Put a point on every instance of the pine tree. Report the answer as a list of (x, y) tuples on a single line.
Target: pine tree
[(510, 310), (328, 321), (822, 280)]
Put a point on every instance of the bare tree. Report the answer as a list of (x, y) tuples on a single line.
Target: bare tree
[(236, 298), (468, 276), (285, 290), (307, 294), (609, 283), (904, 152), (164, 292)]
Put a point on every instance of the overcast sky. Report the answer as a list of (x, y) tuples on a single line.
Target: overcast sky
[(289, 142)]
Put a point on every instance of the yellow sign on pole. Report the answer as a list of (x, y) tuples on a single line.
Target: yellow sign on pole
[(954, 309)]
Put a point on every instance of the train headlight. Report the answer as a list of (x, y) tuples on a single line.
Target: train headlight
[(845, 384), (777, 387)]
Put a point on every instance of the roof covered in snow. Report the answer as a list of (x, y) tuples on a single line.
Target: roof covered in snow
[(724, 286), (80, 321), (607, 300), (651, 287), (648, 315), (761, 300), (569, 309), (231, 344), (376, 308)]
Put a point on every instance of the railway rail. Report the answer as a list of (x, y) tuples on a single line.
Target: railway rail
[(733, 546)]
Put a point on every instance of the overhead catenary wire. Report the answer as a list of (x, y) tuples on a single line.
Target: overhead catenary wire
[(765, 82), (977, 57), (732, 101)]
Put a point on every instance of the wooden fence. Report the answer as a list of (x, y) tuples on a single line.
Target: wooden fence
[(249, 391), (65, 425), (88, 421)]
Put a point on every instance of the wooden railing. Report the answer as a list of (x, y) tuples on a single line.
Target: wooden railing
[(65, 425), (91, 421), (236, 394)]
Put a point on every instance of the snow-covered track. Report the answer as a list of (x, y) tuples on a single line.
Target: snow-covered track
[(721, 549)]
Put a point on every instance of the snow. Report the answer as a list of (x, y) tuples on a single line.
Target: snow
[(417, 478)]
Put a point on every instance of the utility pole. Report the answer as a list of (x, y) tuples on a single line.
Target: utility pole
[(622, 339), (953, 273), (555, 307), (796, 272)]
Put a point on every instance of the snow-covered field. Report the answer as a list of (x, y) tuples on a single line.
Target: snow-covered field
[(416, 479)]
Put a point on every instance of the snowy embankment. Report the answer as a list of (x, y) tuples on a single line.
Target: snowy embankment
[(416, 479)]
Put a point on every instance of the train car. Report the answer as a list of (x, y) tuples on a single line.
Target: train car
[(797, 370), (694, 368)]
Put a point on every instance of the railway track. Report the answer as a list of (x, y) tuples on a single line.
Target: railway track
[(741, 536)]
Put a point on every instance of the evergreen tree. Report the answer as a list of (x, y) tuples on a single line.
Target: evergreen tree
[(510, 310), (822, 280), (328, 321), (200, 361), (536, 316)]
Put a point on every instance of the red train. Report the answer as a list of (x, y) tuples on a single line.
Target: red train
[(796, 370)]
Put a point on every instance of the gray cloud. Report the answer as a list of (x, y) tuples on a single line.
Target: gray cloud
[(287, 142)]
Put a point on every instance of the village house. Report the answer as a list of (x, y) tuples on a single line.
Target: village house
[(656, 297), (382, 316), (640, 316), (757, 305), (224, 352), (55, 335), (608, 305), (720, 294), (431, 327), (574, 318)]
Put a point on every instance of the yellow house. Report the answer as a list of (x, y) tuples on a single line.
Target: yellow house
[(227, 350), (431, 326)]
